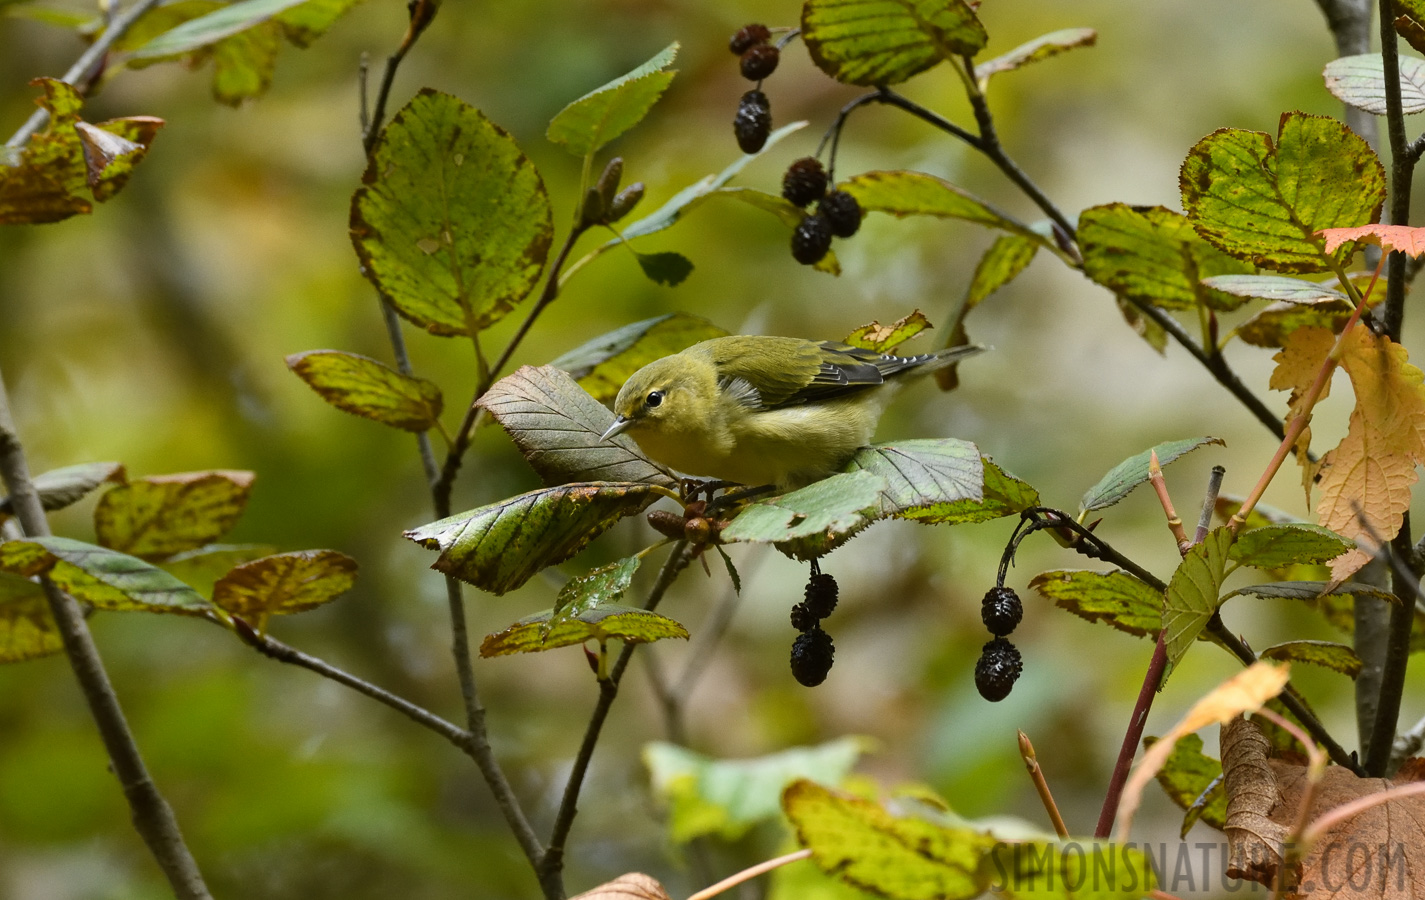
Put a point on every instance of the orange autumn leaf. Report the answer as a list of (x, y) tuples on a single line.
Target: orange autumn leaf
[(1389, 237), (1300, 359), (1369, 475)]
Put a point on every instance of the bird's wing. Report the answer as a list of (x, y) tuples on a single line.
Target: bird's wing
[(778, 372)]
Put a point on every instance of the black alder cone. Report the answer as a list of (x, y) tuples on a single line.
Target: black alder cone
[(803, 619), (1001, 610), (821, 593), (811, 240), (753, 122), (812, 654), (804, 181), (842, 211), (998, 669), (759, 61), (747, 37)]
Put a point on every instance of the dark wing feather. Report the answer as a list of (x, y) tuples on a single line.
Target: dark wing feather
[(790, 371)]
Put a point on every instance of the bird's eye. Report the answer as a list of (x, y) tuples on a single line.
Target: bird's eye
[(653, 399)]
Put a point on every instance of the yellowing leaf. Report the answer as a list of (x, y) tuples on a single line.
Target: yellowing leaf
[(1302, 355), (284, 583), (1042, 47), (887, 41), (366, 387), (885, 338), (1115, 598), (161, 515), (1403, 238), (103, 578), (1370, 473), (27, 629), (535, 633)]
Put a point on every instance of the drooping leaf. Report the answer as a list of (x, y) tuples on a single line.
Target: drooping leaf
[(1264, 202), (605, 584), (307, 21), (200, 569), (283, 584), (452, 222), (1042, 47), (59, 488), (882, 42), (905, 193), (1408, 17), (1133, 471), (243, 64), (499, 547), (831, 508), (727, 797), (1001, 264), (366, 387), (1186, 775), (1153, 255), (923, 477), (103, 578), (1194, 593), (603, 114), (602, 365), (865, 846), (670, 269), (611, 620), (1149, 330), (1069, 870), (161, 515), (213, 27), (1274, 546), (1359, 81), (1114, 598), (886, 338), (1328, 655), (557, 427), (27, 628), (1274, 325)]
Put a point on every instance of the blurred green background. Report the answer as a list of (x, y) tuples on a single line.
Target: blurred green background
[(153, 333)]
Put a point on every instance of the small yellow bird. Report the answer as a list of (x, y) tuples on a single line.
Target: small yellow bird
[(765, 410)]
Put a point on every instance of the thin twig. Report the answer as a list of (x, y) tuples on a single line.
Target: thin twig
[(152, 816), (1209, 503), (1041, 785), (749, 873), (1160, 487), (86, 65)]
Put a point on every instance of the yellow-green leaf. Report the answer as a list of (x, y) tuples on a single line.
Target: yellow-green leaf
[(885, 338), (27, 629), (201, 568), (603, 364), (1194, 593), (603, 114), (1274, 546), (283, 584), (499, 547), (612, 620), (452, 223), (1001, 264), (905, 193), (1263, 202), (1042, 47), (213, 27), (366, 387), (1002, 495), (1327, 654), (103, 578), (161, 515), (307, 21), (595, 588), (1114, 598), (1194, 782), (879, 42)]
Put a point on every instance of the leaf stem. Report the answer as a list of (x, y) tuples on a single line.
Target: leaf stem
[(152, 817), (86, 65)]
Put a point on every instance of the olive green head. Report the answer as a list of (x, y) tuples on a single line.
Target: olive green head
[(662, 394)]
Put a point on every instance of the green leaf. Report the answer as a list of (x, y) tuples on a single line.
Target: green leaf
[(594, 588), (452, 223), (1264, 202), (307, 21), (865, 846), (885, 338), (611, 620), (499, 547), (365, 387), (283, 584), (215, 26), (727, 797), (1144, 327), (66, 19), (824, 510), (1001, 264), (905, 193), (61, 487), (1186, 775), (1359, 81), (923, 477), (1336, 657), (1271, 326), (1152, 254), (1071, 870), (1194, 592), (161, 515), (27, 628), (880, 42), (558, 428), (602, 365), (601, 115), (1114, 598), (1042, 47), (201, 568), (1133, 471), (102, 578), (1275, 546), (669, 268), (244, 63), (1002, 495), (1311, 590), (1274, 288)]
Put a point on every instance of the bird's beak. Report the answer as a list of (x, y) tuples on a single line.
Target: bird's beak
[(620, 425)]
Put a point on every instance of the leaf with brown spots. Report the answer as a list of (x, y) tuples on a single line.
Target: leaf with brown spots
[(162, 515), (284, 583)]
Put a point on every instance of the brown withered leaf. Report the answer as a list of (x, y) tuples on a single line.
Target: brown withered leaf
[(1255, 840), (633, 886)]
